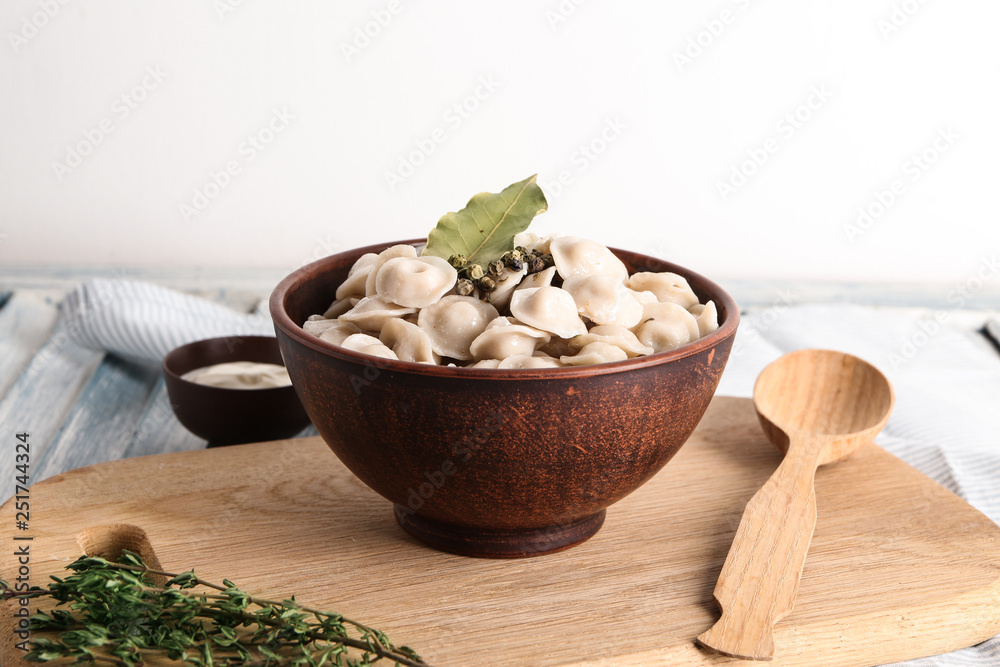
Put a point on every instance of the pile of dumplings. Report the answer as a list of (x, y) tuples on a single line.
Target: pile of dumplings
[(586, 309)]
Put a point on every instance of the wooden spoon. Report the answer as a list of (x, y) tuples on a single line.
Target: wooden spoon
[(818, 406)]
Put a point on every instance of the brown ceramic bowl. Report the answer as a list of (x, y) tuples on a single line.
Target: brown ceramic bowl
[(231, 416), (498, 463)]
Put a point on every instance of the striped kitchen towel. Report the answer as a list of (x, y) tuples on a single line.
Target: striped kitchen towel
[(143, 322)]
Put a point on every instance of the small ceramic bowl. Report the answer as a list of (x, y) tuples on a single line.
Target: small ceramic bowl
[(231, 416), (498, 463)]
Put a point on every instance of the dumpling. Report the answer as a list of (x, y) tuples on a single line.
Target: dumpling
[(486, 363), (542, 278), (613, 335), (339, 332), (604, 299), (454, 322), (318, 326), (667, 326), (415, 282), (502, 339), (383, 257), (354, 286), (595, 353), (707, 317), (522, 361), (369, 345), (574, 255), (668, 287), (665, 310), (548, 308), (507, 282), (532, 241), (372, 312), (339, 307), (643, 297), (557, 347), (409, 342)]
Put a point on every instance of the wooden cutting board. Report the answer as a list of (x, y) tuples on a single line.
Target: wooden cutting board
[(899, 567)]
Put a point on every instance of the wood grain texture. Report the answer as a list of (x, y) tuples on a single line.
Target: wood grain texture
[(818, 406), (104, 418), (920, 576), (25, 323), (158, 431), (44, 394)]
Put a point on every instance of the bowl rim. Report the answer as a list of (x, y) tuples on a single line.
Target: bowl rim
[(283, 324)]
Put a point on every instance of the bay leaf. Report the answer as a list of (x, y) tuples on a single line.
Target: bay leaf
[(484, 230)]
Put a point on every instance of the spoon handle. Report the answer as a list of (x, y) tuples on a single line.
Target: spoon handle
[(760, 577)]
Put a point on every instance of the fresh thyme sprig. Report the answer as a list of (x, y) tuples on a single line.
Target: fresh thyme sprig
[(120, 616)]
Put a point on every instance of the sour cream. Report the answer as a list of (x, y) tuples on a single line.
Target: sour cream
[(240, 375)]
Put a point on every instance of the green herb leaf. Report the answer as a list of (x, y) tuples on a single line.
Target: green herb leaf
[(484, 230), (121, 617)]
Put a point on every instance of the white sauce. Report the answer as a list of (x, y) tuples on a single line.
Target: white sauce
[(240, 375)]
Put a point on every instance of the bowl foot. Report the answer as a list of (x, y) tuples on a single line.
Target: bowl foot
[(497, 542)]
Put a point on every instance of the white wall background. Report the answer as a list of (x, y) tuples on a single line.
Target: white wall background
[(89, 177)]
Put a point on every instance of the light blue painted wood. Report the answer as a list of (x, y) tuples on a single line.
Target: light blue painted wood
[(158, 430), (25, 324), (42, 396), (103, 421)]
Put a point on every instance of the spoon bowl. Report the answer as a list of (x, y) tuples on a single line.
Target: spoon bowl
[(834, 397), (817, 406)]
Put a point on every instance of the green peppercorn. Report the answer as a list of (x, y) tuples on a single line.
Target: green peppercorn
[(458, 261), (495, 268), (474, 272), (464, 287), (486, 284), (536, 264)]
